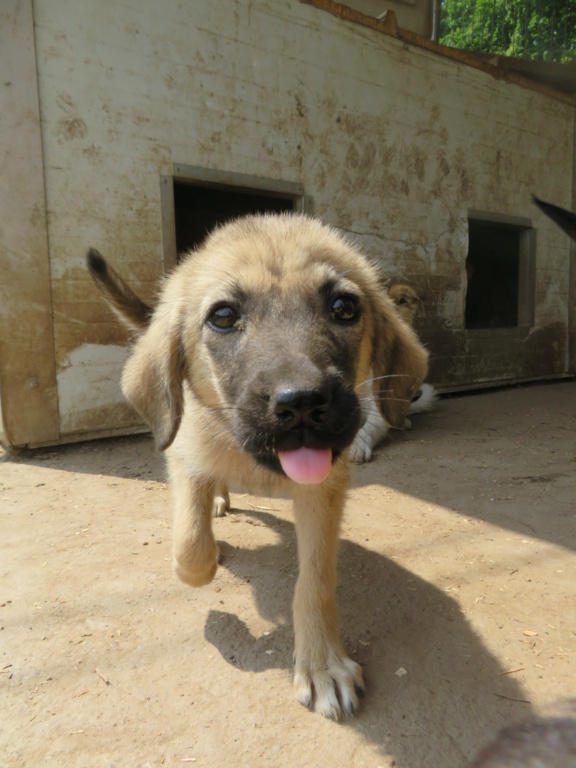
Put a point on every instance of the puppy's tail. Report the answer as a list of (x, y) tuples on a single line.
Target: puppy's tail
[(126, 304), (424, 400)]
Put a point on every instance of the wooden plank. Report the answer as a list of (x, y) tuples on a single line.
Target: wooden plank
[(27, 367)]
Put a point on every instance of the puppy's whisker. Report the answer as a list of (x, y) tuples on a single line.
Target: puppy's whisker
[(380, 378), (387, 397), (225, 409)]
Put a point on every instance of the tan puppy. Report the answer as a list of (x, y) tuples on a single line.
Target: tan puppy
[(406, 298), (247, 372), (374, 428)]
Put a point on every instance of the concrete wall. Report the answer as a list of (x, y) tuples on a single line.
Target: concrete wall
[(394, 144)]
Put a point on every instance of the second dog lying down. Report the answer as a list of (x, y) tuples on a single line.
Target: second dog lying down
[(374, 428), (247, 371)]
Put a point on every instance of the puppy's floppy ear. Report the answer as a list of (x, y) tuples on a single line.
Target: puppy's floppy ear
[(399, 363), (153, 377)]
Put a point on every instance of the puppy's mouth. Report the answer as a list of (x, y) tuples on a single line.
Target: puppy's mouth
[(306, 466), (303, 447), (303, 464)]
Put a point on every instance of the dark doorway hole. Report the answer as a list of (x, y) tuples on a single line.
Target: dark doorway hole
[(493, 272), (199, 209)]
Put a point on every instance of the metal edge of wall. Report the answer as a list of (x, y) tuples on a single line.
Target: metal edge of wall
[(168, 225), (28, 388), (571, 352)]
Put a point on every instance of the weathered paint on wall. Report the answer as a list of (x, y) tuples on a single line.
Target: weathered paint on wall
[(393, 143), (98, 364), (28, 401)]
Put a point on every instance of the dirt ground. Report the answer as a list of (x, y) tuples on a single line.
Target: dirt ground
[(456, 595)]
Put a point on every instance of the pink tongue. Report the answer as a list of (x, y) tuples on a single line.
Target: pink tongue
[(305, 465)]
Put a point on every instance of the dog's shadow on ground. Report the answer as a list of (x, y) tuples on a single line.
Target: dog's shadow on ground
[(434, 691)]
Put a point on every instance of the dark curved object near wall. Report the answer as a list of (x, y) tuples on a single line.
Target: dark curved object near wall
[(565, 219)]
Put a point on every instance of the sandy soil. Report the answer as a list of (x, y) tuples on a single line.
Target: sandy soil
[(456, 595)]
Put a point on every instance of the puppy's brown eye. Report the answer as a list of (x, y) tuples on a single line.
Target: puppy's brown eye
[(223, 318), (345, 308)]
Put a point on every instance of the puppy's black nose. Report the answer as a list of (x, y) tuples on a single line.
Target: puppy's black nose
[(301, 407)]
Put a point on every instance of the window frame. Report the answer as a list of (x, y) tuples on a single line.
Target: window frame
[(526, 273), (225, 180)]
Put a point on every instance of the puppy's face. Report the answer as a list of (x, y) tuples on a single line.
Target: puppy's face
[(272, 325), (284, 341), (407, 301)]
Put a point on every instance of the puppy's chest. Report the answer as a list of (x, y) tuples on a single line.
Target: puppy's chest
[(207, 446)]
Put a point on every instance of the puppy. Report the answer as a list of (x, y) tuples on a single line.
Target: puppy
[(374, 429), (247, 371), (406, 298)]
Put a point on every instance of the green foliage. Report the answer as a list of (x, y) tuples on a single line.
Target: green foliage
[(526, 29)]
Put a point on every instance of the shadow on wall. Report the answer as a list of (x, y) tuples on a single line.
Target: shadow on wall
[(453, 697)]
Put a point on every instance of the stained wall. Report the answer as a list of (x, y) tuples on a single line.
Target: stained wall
[(392, 143)]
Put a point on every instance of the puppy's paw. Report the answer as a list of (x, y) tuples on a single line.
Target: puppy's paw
[(361, 449), (372, 432), (221, 506), (197, 571), (221, 501), (334, 691), (425, 399)]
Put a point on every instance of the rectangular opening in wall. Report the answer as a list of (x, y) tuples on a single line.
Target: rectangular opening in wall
[(500, 272), (198, 210), (202, 199)]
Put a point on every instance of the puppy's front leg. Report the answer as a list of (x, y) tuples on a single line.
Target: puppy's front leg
[(373, 430), (325, 678), (195, 553)]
